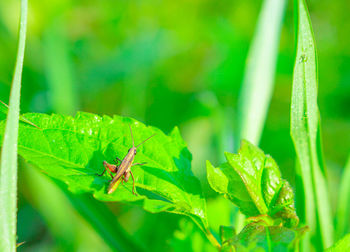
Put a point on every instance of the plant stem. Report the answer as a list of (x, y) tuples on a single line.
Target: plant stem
[(212, 239), (204, 227), (344, 202), (305, 132)]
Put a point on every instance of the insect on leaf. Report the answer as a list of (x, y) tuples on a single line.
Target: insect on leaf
[(72, 150)]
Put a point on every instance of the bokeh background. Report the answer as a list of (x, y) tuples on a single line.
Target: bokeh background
[(166, 63)]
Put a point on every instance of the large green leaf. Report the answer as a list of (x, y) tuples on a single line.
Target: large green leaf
[(72, 150), (252, 181)]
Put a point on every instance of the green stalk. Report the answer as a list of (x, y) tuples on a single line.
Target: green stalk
[(343, 209), (255, 96), (104, 222), (205, 229), (63, 224), (305, 132), (59, 70), (8, 166)]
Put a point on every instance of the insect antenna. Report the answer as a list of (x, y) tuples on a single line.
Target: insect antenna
[(145, 140), (132, 137)]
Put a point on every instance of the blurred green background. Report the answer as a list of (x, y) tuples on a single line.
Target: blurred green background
[(166, 63)]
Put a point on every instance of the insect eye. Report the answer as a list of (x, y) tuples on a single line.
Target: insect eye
[(135, 152)]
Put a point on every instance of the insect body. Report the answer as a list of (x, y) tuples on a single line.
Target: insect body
[(123, 169)]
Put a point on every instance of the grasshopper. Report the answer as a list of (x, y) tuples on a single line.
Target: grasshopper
[(123, 169)]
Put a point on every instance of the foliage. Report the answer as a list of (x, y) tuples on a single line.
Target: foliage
[(72, 150), (252, 181), (220, 71), (258, 235)]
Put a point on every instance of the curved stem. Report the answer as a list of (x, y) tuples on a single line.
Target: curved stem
[(204, 227), (212, 239)]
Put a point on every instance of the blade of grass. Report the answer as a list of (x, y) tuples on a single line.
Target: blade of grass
[(8, 179), (305, 132), (104, 222), (59, 69), (64, 225), (259, 75), (258, 80), (343, 209)]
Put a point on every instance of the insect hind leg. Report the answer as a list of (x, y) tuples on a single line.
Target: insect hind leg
[(106, 169), (109, 168)]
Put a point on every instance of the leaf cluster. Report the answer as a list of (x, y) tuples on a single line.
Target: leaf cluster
[(72, 150)]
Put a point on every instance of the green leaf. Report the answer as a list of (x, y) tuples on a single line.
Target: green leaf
[(305, 131), (258, 236), (55, 203), (72, 150), (341, 246), (8, 166), (252, 181)]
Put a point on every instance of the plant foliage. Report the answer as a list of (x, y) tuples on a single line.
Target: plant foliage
[(72, 150), (259, 236), (252, 181)]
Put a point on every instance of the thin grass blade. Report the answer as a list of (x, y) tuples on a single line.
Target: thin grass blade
[(8, 167), (259, 75), (59, 69)]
